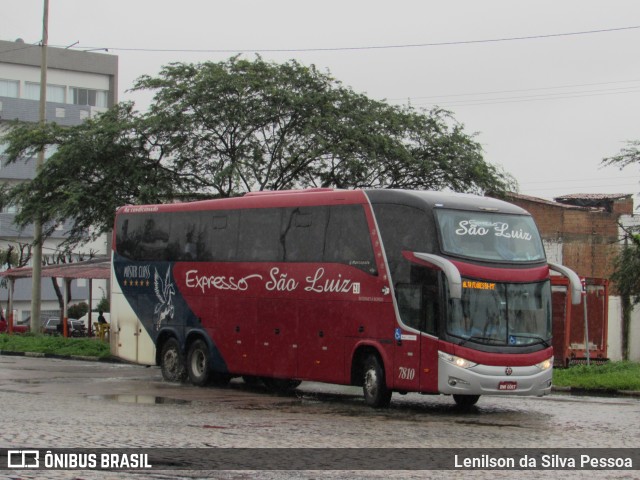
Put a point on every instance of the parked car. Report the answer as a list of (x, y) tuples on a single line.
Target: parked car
[(75, 328), (18, 327)]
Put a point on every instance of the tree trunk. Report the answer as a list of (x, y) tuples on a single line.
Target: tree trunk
[(626, 325)]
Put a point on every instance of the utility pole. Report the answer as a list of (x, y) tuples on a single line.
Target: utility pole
[(36, 287)]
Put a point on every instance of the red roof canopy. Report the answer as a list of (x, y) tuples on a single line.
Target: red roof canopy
[(95, 268)]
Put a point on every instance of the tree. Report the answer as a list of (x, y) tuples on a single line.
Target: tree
[(627, 156), (222, 129), (77, 310), (97, 166), (627, 279), (626, 274)]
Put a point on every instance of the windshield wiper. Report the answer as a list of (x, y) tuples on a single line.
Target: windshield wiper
[(534, 337), (478, 338)]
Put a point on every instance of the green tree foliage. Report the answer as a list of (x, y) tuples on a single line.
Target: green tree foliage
[(77, 310), (222, 129), (626, 274), (102, 164), (627, 156), (627, 265), (627, 268), (103, 305)]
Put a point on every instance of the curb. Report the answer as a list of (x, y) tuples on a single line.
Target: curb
[(110, 359), (577, 391)]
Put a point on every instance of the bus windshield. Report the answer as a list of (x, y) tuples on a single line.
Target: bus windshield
[(502, 313), (489, 236)]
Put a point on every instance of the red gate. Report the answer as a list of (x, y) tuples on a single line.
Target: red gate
[(569, 325)]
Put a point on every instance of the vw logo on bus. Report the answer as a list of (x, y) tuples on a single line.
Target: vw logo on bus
[(508, 371)]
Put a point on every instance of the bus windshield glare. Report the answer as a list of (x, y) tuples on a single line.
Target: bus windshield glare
[(502, 313), (489, 236)]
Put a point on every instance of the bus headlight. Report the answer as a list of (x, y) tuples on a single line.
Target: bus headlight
[(546, 364), (457, 361)]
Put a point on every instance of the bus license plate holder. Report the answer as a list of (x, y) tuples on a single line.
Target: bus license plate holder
[(507, 386)]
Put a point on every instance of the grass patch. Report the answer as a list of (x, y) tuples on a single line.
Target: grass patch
[(609, 376), (54, 344)]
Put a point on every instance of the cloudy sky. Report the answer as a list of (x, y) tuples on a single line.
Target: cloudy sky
[(550, 87)]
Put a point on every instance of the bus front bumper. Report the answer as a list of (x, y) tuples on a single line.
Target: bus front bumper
[(477, 379)]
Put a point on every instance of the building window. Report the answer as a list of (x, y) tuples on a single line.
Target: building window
[(55, 93), (85, 96), (13, 209), (31, 91), (9, 88)]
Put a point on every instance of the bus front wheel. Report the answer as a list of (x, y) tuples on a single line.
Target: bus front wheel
[(172, 362), (374, 386), (465, 402), (199, 365)]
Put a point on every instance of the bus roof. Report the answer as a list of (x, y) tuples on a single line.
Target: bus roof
[(425, 200), (428, 200), (264, 199)]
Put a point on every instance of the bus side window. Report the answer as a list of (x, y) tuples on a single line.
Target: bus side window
[(189, 238), (153, 237), (259, 235), (403, 228), (303, 235), (223, 235), (410, 307), (124, 237), (418, 301), (347, 238)]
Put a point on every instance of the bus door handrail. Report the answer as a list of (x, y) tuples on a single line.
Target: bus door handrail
[(575, 284), (450, 271)]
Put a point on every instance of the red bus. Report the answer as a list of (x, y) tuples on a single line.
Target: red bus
[(391, 290)]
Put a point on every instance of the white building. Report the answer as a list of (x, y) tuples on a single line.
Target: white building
[(79, 85)]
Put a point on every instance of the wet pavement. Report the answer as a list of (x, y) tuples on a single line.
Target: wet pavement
[(56, 403)]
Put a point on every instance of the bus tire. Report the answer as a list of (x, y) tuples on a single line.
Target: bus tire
[(172, 362), (465, 402), (374, 386), (199, 365)]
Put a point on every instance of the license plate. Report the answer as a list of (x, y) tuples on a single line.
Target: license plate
[(508, 386)]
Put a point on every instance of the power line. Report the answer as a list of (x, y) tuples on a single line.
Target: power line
[(498, 92), (634, 186), (367, 47), (531, 98), (625, 178)]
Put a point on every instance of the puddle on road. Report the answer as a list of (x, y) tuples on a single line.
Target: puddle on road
[(145, 399), (29, 381)]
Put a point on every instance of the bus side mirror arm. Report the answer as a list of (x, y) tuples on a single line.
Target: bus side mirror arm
[(450, 271), (575, 285)]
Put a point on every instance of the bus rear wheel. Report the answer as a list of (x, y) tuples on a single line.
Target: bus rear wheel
[(374, 385), (199, 365), (172, 362), (465, 402)]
